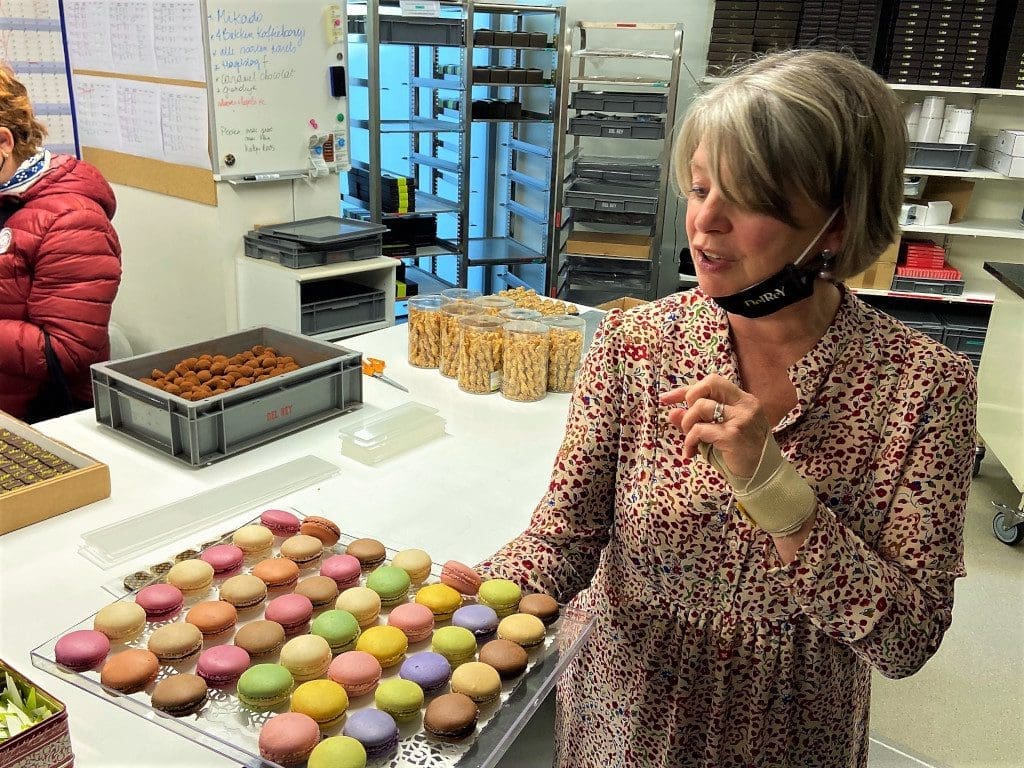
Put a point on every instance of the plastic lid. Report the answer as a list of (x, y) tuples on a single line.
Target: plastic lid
[(390, 432), (426, 303), (491, 302), (517, 313), (525, 326), (564, 321), (462, 308), (323, 229), (459, 294)]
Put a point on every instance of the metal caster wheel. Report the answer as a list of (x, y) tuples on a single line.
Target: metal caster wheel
[(1011, 535)]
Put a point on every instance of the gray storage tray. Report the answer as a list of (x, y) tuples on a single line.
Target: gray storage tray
[(598, 196), (952, 157), (617, 170), (619, 101), (291, 254), (617, 127), (328, 384), (427, 31), (924, 285)]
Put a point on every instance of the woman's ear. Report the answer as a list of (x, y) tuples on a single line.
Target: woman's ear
[(832, 240), (6, 141)]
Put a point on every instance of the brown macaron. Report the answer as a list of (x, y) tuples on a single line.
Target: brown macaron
[(244, 591), (321, 590), (304, 550), (276, 572), (508, 658), (326, 530), (176, 643), (369, 552), (180, 695), (260, 638), (451, 717), (130, 671), (544, 607), (212, 617)]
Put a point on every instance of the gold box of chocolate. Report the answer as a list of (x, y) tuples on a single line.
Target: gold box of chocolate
[(41, 738), (41, 477)]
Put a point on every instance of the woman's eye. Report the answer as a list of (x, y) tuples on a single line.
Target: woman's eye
[(698, 191)]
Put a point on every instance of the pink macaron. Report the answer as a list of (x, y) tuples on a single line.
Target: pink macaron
[(292, 612), (160, 601), (222, 664), (460, 577), (344, 569), (279, 521), (82, 649), (225, 558), (414, 619), (356, 671), (288, 738)]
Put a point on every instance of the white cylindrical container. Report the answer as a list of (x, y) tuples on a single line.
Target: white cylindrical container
[(933, 106), (929, 128), (912, 116)]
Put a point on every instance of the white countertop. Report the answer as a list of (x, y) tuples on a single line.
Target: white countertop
[(461, 496)]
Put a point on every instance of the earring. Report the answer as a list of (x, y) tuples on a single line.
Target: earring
[(825, 271)]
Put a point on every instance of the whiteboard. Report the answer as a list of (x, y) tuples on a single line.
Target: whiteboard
[(272, 112)]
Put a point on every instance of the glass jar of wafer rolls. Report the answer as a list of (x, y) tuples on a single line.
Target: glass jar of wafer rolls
[(565, 350), (480, 353), (425, 331), (525, 360), (451, 334)]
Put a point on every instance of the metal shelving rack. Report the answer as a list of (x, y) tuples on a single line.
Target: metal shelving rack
[(488, 163), (657, 278)]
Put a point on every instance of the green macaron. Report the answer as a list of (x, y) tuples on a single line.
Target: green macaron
[(500, 594), (338, 752), (339, 628), (391, 583), (264, 686), (402, 699)]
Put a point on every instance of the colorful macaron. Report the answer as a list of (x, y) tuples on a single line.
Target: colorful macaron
[(323, 700), (339, 628), (254, 540), (264, 686), (369, 552), (222, 665), (415, 562), (477, 680), (260, 638), (481, 620), (82, 649), (451, 717), (441, 599), (307, 657), (321, 591), (292, 612), (391, 583), (326, 530), (176, 643), (338, 752), (344, 569), (180, 695), (193, 576), (122, 621), (213, 617), (375, 730), (130, 670), (505, 656), (544, 607), (280, 522), (356, 671), (457, 644), (243, 591), (225, 558), (402, 699), (289, 738), (361, 602), (276, 572), (160, 601), (306, 551), (522, 629), (416, 620), (460, 577), (386, 644), (429, 670), (500, 594)]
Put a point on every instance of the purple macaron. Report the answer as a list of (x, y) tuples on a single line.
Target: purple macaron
[(344, 569), (225, 558), (428, 670), (375, 730), (481, 620), (82, 649), (279, 521), (160, 601), (222, 664)]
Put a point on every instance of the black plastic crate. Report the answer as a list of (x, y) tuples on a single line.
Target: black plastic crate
[(617, 126), (923, 285), (425, 31), (620, 101), (928, 323), (617, 170)]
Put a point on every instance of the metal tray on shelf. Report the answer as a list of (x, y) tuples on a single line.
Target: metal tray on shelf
[(617, 198)]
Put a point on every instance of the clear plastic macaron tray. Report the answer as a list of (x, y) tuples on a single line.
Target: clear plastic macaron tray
[(232, 729)]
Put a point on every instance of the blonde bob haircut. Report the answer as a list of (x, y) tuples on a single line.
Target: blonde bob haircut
[(810, 124), (17, 116)]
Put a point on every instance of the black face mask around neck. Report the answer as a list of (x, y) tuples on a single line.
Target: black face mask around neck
[(787, 286)]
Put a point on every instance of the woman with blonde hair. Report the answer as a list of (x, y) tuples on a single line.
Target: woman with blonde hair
[(60, 266), (760, 493)]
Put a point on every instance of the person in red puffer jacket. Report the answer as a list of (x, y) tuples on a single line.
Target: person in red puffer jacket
[(60, 260)]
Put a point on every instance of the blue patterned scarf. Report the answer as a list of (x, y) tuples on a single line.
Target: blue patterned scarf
[(27, 174)]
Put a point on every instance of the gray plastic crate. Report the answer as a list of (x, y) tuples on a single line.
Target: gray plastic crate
[(923, 285), (951, 157), (594, 279), (336, 304), (598, 196), (619, 101), (928, 323), (617, 127), (293, 255), (328, 384), (617, 170), (426, 31)]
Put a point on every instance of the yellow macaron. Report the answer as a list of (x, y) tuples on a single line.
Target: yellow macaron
[(387, 644)]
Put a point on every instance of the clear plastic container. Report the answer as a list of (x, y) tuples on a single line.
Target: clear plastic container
[(525, 371), (386, 434), (425, 331), (565, 350), (450, 334), (459, 294), (480, 353), (493, 305), (518, 313)]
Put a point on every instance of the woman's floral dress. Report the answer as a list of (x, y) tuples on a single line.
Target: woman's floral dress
[(706, 650)]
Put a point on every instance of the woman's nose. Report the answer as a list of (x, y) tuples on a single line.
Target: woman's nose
[(711, 215)]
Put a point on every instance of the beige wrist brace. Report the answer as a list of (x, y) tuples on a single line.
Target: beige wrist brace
[(776, 499)]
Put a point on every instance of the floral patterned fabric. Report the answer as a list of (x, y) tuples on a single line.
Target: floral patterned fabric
[(707, 651)]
